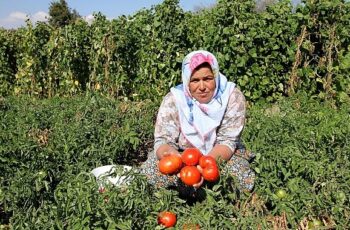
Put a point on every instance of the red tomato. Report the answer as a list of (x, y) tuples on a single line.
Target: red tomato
[(211, 173), (190, 175), (205, 161), (170, 164), (167, 219), (191, 156)]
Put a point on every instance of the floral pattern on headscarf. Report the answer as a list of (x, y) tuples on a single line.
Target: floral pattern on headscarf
[(200, 58)]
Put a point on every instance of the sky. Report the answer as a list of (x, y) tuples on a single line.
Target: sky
[(13, 13)]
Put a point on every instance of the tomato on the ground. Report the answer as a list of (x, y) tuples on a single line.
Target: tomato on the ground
[(314, 224), (167, 219), (281, 193), (340, 196)]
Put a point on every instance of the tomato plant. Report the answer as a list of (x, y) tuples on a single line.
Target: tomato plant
[(302, 145), (167, 219), (211, 173), (205, 161), (190, 175), (191, 156), (170, 164)]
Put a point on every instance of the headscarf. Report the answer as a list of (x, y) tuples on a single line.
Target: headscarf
[(198, 122)]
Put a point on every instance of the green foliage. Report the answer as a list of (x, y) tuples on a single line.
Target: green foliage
[(48, 147), (125, 66), (32, 60), (322, 49), (166, 43), (61, 15), (269, 54), (303, 148), (8, 66), (68, 72)]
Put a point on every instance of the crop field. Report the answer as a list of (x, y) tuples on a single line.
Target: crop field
[(81, 96), (48, 148)]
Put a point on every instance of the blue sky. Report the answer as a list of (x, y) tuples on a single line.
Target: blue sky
[(13, 13)]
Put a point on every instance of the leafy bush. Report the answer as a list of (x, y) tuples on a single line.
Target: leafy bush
[(48, 148), (269, 54)]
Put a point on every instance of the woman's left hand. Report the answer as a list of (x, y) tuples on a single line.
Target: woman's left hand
[(199, 184)]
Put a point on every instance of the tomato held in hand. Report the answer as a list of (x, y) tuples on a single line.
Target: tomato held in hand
[(170, 164), (205, 161), (190, 175), (167, 219), (191, 156), (211, 173)]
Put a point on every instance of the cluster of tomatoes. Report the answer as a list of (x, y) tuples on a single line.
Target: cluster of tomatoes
[(191, 166)]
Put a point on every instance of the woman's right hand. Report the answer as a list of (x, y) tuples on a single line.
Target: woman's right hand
[(170, 153), (199, 184), (166, 150)]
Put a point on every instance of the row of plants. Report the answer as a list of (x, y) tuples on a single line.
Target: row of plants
[(270, 54), (49, 147)]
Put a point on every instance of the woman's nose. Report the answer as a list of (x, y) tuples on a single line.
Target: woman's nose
[(201, 85)]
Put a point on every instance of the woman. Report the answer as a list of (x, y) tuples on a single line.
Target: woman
[(206, 112)]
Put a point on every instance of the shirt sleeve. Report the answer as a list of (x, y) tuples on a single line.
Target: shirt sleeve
[(167, 127), (229, 132)]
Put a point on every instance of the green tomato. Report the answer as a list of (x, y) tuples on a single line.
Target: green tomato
[(281, 193), (41, 174), (341, 197), (312, 224)]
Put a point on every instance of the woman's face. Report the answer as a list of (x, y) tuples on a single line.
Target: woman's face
[(202, 84)]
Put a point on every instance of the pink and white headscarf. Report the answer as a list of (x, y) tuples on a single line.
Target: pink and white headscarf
[(199, 121)]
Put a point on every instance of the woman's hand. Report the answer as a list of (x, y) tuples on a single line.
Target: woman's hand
[(222, 152), (171, 153), (165, 150), (199, 184)]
